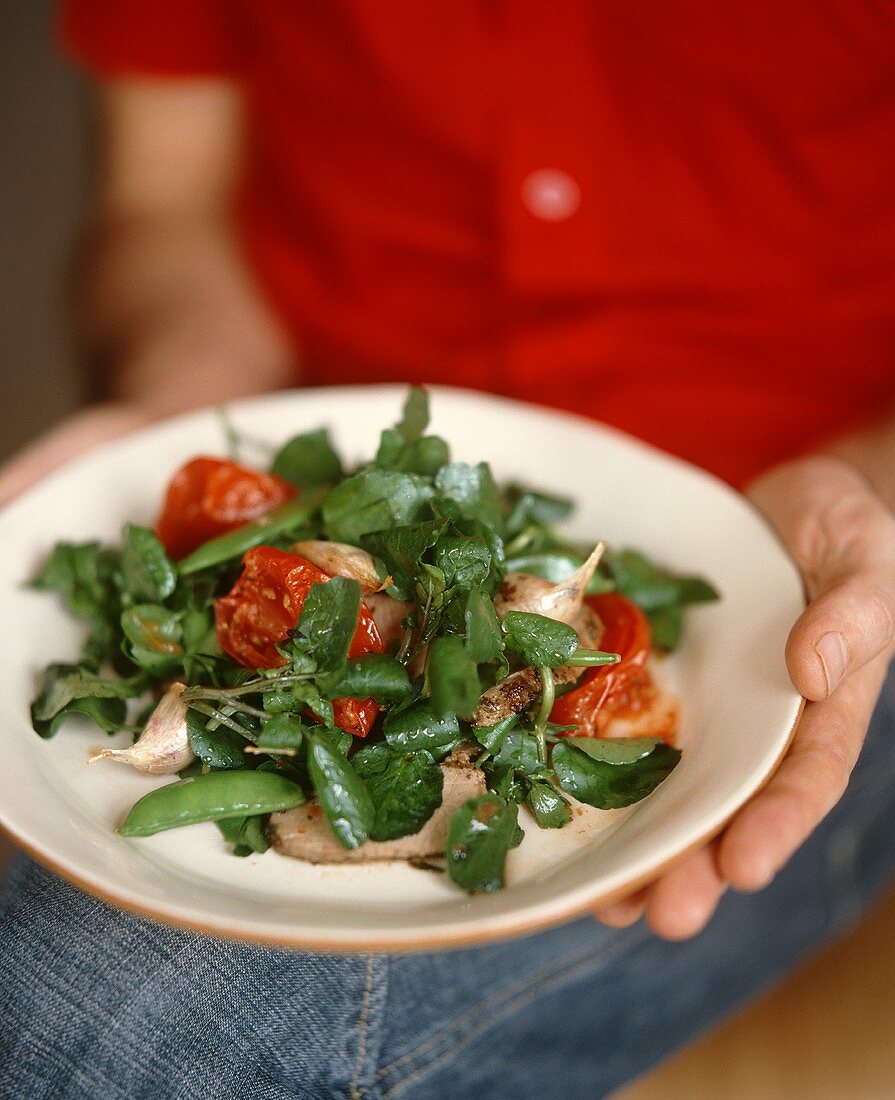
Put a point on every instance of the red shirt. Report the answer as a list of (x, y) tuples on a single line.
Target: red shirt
[(678, 217)]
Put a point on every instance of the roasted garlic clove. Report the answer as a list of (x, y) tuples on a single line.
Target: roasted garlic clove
[(163, 747), (338, 559), (563, 601)]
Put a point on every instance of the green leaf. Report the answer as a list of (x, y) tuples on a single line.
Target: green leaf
[(453, 678), (218, 748), (612, 773), (548, 807), (538, 509), (83, 574), (374, 500), (374, 675), (484, 638), (147, 573), (328, 621), (246, 834), (400, 550), (652, 587), (64, 682), (464, 561), (309, 461), (425, 457), (666, 626), (283, 733), (155, 636), (469, 492), (481, 833), (342, 794), (406, 789), (537, 640), (415, 416), (418, 727)]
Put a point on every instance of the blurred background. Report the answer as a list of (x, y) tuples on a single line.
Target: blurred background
[(826, 1033)]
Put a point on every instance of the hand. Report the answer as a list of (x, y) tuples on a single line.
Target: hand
[(842, 537), (72, 437)]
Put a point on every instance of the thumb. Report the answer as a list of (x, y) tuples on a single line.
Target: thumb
[(842, 537)]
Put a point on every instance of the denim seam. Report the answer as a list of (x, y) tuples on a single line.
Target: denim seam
[(354, 1092), (513, 1004), (513, 996)]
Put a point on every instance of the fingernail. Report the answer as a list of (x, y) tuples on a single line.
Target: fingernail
[(833, 658)]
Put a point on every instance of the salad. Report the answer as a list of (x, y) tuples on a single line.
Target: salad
[(403, 660)]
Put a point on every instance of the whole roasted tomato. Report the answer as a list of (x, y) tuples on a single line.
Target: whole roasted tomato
[(210, 496), (264, 605), (626, 632)]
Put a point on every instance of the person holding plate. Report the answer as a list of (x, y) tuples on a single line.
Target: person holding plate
[(678, 220)]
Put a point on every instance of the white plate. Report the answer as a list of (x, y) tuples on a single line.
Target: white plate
[(739, 709)]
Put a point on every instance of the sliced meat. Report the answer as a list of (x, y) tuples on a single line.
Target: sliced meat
[(303, 832), (516, 692)]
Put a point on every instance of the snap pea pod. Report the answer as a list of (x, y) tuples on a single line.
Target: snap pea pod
[(234, 544), (211, 797)]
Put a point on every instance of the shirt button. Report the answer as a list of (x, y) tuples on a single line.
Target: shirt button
[(551, 194)]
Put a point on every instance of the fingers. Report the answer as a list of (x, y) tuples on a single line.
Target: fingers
[(80, 433), (842, 537), (622, 914), (809, 782), (679, 904), (682, 902)]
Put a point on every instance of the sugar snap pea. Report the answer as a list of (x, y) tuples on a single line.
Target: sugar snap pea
[(270, 526), (211, 797)]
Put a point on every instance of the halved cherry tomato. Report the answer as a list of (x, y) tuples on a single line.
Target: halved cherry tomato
[(625, 631), (210, 496), (264, 605)]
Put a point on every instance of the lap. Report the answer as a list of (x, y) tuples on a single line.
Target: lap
[(94, 1002)]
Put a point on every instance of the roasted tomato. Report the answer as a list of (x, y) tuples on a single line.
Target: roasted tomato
[(264, 605), (625, 631), (209, 496)]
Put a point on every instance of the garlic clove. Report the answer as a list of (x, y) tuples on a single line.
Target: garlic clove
[(163, 747), (341, 560), (563, 601)]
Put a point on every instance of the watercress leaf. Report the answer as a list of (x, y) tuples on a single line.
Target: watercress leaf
[(419, 727), (666, 626), (484, 638), (308, 695), (537, 640), (400, 550), (609, 774), (109, 714), (374, 500), (83, 574), (548, 807), (453, 678), (76, 689), (481, 833), (328, 621), (374, 675), (469, 492), (147, 573), (217, 748), (464, 561), (519, 750), (282, 733), (308, 460), (342, 794), (154, 637), (246, 834), (415, 415), (533, 508), (492, 737), (406, 789), (653, 587), (425, 457)]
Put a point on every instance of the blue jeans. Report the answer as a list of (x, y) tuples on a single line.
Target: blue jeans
[(98, 1004)]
